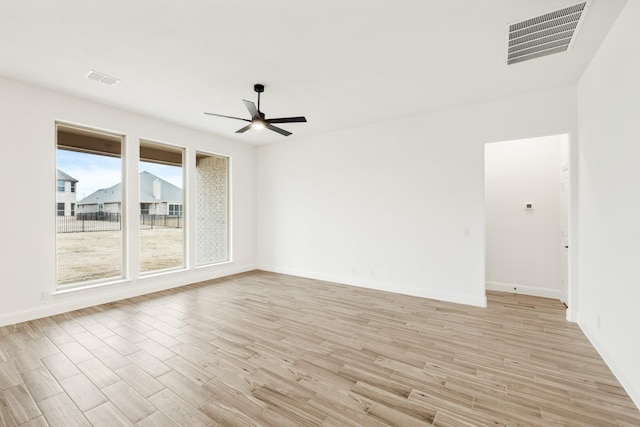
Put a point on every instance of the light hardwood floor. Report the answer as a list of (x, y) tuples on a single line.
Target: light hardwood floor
[(268, 349)]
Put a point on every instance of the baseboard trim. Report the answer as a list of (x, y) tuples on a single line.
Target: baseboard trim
[(631, 387), (522, 289), (83, 298), (478, 301)]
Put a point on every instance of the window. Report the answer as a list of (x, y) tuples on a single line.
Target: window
[(89, 243), (61, 186), (212, 194), (161, 207), (175, 210)]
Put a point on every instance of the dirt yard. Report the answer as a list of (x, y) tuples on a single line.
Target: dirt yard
[(98, 255)]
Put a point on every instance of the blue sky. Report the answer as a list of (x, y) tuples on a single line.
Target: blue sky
[(94, 172)]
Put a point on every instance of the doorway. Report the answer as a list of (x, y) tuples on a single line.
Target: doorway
[(526, 216)]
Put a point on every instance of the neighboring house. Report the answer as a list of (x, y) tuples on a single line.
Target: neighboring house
[(65, 194), (157, 197)]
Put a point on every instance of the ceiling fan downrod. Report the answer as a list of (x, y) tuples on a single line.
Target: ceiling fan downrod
[(258, 88)]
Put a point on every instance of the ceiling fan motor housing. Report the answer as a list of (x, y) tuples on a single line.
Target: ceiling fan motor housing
[(258, 87)]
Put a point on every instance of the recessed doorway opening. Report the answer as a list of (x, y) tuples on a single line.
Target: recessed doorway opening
[(526, 216)]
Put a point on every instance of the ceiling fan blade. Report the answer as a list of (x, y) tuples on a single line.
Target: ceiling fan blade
[(244, 129), (277, 129), (252, 109), (288, 120), (227, 117)]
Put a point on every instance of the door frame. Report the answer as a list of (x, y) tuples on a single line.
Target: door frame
[(565, 194), (571, 157)]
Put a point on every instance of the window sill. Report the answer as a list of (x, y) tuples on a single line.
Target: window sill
[(88, 287)]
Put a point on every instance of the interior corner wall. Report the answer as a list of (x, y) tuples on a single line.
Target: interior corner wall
[(609, 201), (523, 244), (28, 263), (396, 206)]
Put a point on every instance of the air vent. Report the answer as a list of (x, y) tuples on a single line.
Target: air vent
[(102, 78), (543, 35)]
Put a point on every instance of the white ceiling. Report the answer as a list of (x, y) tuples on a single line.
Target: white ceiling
[(341, 63)]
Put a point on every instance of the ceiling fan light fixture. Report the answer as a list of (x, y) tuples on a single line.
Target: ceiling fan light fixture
[(257, 124)]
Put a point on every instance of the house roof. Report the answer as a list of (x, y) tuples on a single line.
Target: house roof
[(104, 195), (168, 192), (340, 63), (62, 176)]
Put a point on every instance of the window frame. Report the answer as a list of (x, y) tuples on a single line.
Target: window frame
[(228, 211), (154, 151), (68, 137)]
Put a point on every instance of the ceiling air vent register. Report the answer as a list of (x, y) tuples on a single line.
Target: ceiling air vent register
[(553, 32), (102, 78)]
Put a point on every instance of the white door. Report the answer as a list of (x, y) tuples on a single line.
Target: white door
[(564, 235)]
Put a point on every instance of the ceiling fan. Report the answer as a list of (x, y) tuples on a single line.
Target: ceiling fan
[(258, 119)]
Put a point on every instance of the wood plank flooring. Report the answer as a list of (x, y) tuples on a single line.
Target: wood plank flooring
[(275, 350)]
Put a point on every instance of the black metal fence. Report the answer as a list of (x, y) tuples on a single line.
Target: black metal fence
[(107, 221), (85, 222), (148, 221), (99, 216)]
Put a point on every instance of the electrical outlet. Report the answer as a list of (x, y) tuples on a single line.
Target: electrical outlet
[(44, 295)]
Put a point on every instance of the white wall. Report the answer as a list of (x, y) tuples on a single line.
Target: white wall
[(389, 205), (609, 199), (523, 245), (27, 120)]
